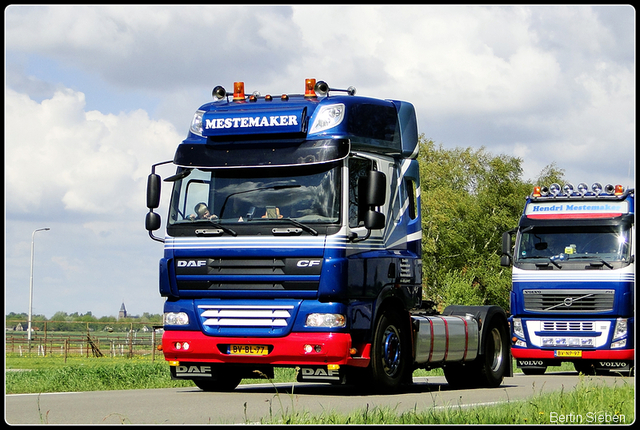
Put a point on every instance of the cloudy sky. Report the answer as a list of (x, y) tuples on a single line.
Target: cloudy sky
[(95, 95)]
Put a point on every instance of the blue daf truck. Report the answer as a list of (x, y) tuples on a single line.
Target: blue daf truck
[(573, 279), (293, 239)]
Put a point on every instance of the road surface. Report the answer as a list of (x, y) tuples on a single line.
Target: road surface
[(251, 403)]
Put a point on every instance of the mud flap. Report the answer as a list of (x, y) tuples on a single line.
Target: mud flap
[(321, 374)]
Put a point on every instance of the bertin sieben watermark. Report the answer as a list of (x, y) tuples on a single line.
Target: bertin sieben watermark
[(596, 417)]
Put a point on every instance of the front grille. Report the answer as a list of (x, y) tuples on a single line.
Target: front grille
[(267, 274), (568, 326), (262, 318), (569, 301), (245, 316)]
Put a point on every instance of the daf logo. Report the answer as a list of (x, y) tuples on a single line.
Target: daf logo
[(192, 263), (193, 369), (308, 263), (319, 372)]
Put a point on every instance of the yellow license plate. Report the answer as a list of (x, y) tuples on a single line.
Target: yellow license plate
[(248, 349), (569, 353)]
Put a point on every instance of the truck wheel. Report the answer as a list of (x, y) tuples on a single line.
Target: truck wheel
[(493, 363), (585, 367), (489, 368), (223, 383), (390, 353)]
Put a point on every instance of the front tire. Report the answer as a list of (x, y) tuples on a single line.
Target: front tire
[(224, 383), (391, 352), (534, 370)]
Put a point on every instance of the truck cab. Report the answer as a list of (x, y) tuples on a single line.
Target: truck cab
[(293, 239), (573, 279)]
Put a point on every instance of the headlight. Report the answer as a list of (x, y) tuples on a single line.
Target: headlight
[(621, 328), (196, 123), (326, 320), (176, 318), (327, 117), (517, 328)]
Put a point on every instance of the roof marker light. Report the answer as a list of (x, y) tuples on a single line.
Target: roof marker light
[(596, 187), (554, 189), (583, 188), (238, 91), (568, 188), (309, 85)]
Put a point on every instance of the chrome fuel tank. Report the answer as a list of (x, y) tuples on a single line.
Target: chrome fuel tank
[(444, 339)]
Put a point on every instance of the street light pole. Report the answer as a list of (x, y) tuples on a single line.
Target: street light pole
[(33, 236)]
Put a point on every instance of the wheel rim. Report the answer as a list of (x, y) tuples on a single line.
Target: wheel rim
[(497, 349), (391, 353)]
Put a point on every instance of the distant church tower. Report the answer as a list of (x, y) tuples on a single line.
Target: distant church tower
[(123, 312)]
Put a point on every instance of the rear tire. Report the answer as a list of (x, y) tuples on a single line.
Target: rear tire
[(496, 356), (490, 367)]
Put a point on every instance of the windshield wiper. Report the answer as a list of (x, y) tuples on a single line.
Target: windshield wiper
[(218, 225), (294, 222), (593, 257), (551, 259)]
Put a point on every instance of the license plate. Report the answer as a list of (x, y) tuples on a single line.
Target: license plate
[(569, 353), (248, 350)]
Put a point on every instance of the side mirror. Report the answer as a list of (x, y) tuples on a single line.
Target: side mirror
[(153, 191), (152, 221), (372, 190), (374, 220), (372, 193), (506, 257)]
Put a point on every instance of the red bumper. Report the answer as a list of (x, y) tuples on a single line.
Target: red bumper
[(325, 348), (605, 354)]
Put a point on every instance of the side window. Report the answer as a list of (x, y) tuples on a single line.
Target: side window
[(358, 167), (411, 196)]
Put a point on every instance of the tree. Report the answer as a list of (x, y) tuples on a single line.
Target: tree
[(469, 198), (550, 174)]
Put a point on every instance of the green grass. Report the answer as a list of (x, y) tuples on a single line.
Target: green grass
[(52, 375), (589, 403)]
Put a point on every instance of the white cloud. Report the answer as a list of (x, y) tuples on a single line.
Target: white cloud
[(60, 157)]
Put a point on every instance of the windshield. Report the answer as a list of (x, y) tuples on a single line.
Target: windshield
[(609, 243), (308, 194)]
